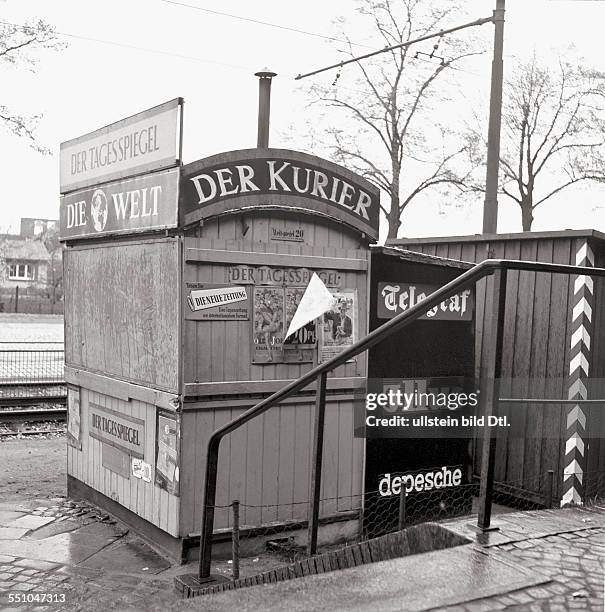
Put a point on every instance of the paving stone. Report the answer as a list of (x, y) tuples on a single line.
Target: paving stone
[(30, 522), (22, 586), (12, 533), (43, 566), (5, 559)]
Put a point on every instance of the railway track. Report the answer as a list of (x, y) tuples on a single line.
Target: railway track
[(21, 422), (33, 416)]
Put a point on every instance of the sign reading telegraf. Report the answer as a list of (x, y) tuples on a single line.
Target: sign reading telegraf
[(395, 298)]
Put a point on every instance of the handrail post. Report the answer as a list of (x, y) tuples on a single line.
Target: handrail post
[(208, 509), (318, 442), (402, 508), (548, 493), (490, 393)]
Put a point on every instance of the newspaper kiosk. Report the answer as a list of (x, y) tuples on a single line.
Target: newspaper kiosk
[(180, 282), (175, 313)]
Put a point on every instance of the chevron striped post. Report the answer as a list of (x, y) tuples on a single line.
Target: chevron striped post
[(579, 365)]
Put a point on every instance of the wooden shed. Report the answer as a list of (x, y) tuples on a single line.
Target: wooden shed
[(171, 332), (554, 348)]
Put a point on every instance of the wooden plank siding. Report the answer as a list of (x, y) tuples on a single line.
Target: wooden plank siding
[(205, 357), (133, 336), (536, 348), (143, 498), (266, 464)]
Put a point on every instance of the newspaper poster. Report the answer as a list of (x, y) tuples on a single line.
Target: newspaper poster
[(167, 464), (300, 345), (338, 329), (212, 302), (268, 332), (73, 418)]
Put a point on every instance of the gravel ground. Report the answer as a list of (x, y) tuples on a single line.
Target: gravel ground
[(32, 467)]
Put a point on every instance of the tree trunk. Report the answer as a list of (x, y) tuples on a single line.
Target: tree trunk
[(527, 217), (394, 217), (394, 211)]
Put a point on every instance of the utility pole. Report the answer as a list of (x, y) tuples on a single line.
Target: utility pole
[(490, 210)]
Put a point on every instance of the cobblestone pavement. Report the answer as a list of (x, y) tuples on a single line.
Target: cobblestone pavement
[(574, 562), (90, 563), (77, 556)]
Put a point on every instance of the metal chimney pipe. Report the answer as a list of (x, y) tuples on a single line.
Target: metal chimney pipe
[(264, 106)]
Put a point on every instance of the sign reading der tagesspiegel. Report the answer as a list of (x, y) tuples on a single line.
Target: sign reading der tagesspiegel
[(133, 205), (142, 143), (123, 432)]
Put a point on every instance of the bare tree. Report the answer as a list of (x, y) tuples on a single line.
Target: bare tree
[(553, 132), (396, 143), (19, 47)]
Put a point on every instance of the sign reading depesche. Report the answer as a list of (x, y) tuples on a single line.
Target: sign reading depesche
[(144, 142), (281, 179)]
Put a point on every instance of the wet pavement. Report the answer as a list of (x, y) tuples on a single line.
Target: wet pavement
[(56, 554), (544, 560)]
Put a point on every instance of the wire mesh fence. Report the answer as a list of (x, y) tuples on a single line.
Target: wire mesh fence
[(31, 369), (248, 547)]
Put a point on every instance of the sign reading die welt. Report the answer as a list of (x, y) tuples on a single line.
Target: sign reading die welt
[(144, 142), (134, 205), (278, 178)]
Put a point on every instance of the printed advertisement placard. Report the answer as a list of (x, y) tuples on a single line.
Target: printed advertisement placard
[(274, 308), (216, 302), (269, 330), (167, 452), (338, 329), (73, 418)]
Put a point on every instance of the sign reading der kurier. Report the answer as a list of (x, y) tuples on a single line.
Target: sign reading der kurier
[(119, 430), (395, 298), (144, 142), (280, 179), (133, 205)]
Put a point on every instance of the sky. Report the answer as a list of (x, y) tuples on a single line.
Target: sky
[(124, 56)]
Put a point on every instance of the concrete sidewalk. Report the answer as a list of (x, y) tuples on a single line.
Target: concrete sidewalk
[(551, 560)]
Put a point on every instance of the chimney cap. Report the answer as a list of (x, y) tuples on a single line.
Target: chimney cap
[(265, 73)]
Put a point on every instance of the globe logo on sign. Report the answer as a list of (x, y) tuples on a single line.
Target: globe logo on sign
[(98, 210)]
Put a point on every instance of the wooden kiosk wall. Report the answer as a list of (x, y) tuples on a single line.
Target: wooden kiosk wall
[(122, 324), (537, 345), (266, 464)]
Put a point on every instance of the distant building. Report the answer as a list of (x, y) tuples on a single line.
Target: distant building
[(34, 228), (25, 262)]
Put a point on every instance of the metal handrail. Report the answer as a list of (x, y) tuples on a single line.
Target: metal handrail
[(465, 280)]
